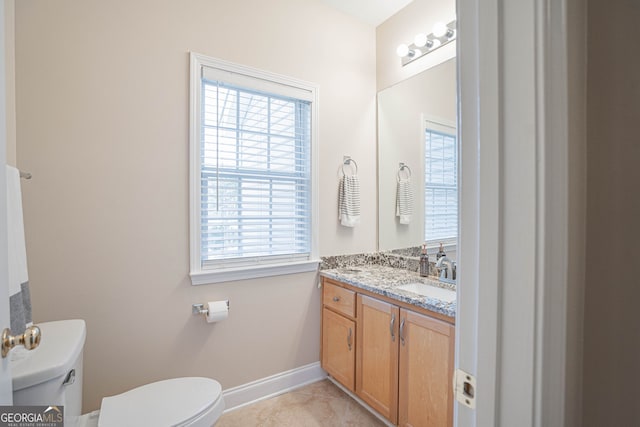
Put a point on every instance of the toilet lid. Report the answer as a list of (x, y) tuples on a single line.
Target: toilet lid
[(163, 403)]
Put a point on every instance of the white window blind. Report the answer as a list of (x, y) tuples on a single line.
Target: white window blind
[(253, 173), (255, 168), (441, 184)]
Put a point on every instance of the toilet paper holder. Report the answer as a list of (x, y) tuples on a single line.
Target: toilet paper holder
[(199, 308)]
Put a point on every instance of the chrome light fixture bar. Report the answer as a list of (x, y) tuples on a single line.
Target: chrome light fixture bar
[(423, 44)]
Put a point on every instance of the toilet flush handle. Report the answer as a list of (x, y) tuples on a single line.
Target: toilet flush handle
[(30, 339), (70, 378)]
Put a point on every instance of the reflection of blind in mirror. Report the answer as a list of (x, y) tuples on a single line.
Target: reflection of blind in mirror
[(441, 184)]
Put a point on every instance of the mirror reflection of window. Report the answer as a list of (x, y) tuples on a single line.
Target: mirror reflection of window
[(441, 184), (402, 112)]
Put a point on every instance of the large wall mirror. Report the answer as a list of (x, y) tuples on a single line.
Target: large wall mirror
[(418, 155)]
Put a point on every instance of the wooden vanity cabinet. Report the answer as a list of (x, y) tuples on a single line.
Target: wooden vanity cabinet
[(427, 348), (402, 365), (338, 349), (377, 355), (339, 334)]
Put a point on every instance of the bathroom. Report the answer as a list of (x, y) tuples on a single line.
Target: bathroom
[(106, 212), (101, 120)]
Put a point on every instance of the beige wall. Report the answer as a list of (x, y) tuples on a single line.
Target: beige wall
[(10, 76), (612, 328), (102, 123), (577, 174), (419, 16)]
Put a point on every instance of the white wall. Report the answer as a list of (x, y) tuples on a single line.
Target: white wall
[(419, 16), (612, 291), (102, 124)]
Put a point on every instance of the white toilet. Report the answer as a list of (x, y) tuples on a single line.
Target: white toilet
[(51, 374)]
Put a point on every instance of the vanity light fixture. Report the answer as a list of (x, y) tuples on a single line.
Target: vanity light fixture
[(441, 35), (402, 50)]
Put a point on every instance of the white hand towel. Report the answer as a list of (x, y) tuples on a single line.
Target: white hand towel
[(349, 201), (404, 200), (19, 297)]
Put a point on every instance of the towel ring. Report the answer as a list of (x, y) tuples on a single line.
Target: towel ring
[(402, 167), (348, 161)]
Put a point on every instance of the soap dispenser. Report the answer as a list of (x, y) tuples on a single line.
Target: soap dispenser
[(440, 253), (424, 262)]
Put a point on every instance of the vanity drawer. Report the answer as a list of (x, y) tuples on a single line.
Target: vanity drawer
[(340, 299)]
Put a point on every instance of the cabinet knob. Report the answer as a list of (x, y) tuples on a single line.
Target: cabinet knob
[(336, 299)]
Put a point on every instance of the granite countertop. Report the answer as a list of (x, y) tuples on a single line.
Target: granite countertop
[(383, 280)]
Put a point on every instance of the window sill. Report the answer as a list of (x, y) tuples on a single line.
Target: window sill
[(205, 277)]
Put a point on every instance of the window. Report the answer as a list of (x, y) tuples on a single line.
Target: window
[(441, 184), (252, 186)]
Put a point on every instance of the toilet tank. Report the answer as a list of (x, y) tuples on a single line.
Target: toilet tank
[(51, 374)]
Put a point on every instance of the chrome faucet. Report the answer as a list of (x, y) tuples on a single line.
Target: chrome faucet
[(447, 269)]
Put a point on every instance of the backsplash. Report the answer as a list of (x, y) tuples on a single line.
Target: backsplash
[(399, 258), (413, 251), (342, 261)]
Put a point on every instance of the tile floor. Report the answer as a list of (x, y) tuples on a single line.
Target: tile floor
[(315, 405)]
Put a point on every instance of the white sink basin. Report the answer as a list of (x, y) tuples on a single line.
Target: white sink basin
[(446, 295)]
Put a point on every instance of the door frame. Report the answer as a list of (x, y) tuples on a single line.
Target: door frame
[(6, 397), (512, 329)]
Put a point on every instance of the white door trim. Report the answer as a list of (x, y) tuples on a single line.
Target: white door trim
[(512, 306), (477, 319), (6, 397), (561, 153)]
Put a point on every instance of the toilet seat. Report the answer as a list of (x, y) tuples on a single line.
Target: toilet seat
[(177, 402)]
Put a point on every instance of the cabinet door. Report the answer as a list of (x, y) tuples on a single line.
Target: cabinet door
[(426, 371), (338, 347), (377, 358)]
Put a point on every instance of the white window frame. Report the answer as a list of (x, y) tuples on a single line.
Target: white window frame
[(444, 126), (198, 274)]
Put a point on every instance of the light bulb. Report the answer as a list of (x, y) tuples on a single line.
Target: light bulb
[(402, 50), (439, 29), (417, 53), (420, 40), (436, 44)]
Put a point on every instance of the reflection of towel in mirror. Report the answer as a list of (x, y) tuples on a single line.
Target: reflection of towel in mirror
[(19, 298), (349, 201), (404, 200)]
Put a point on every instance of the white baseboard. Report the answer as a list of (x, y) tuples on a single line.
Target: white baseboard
[(361, 402), (274, 385)]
